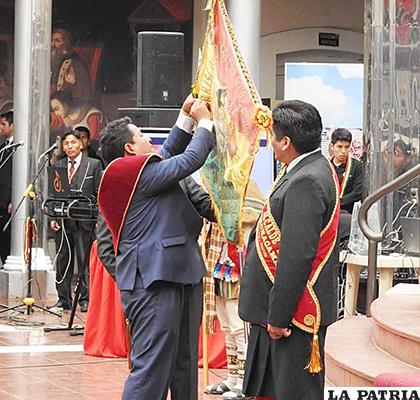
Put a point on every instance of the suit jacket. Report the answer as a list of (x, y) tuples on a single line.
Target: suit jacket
[(196, 194), (302, 204), (5, 177), (158, 240), (85, 181)]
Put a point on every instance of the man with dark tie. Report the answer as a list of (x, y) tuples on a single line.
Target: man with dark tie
[(83, 174)]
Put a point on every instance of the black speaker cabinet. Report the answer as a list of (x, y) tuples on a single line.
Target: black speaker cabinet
[(151, 117), (160, 69)]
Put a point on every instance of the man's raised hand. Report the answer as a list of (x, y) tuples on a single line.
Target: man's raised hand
[(200, 110)]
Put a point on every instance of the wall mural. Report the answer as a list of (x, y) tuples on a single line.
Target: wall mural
[(94, 56)]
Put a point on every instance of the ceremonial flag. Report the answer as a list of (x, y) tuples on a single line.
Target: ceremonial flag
[(239, 117)]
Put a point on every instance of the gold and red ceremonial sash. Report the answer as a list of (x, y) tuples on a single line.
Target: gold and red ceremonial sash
[(346, 175), (116, 189), (307, 315)]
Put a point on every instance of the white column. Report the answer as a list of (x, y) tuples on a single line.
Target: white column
[(31, 121), (246, 19), (21, 102)]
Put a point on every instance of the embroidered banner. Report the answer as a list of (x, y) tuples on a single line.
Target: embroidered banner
[(239, 117)]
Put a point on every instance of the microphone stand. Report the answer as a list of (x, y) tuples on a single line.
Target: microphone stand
[(29, 301), (14, 148)]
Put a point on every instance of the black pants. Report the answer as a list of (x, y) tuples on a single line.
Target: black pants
[(155, 315), (184, 383), (75, 241), (276, 368), (4, 236)]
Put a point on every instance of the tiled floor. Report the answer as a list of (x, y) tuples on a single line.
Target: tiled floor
[(38, 365)]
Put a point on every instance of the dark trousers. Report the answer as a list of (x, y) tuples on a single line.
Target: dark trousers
[(76, 241), (276, 368), (155, 314), (4, 236), (184, 383)]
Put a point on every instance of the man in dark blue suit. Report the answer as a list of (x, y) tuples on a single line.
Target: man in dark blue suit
[(155, 229)]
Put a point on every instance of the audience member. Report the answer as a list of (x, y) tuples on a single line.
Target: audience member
[(70, 235), (350, 175), (6, 164)]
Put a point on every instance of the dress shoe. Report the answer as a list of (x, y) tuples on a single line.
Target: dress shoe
[(61, 304), (84, 306)]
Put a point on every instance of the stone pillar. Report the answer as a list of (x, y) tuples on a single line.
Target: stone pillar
[(31, 122), (246, 19)]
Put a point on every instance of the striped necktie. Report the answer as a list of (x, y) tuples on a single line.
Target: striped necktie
[(71, 170)]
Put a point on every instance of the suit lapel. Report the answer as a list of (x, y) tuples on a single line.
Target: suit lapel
[(297, 167), (79, 174)]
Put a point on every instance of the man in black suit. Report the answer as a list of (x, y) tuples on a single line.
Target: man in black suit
[(84, 174), (350, 175), (289, 283), (6, 126)]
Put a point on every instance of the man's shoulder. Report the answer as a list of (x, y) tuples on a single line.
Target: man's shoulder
[(316, 165)]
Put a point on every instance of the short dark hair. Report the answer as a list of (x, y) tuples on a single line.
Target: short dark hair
[(83, 129), (76, 134), (341, 134), (114, 137), (8, 116), (299, 121), (403, 146)]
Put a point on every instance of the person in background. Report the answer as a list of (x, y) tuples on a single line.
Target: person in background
[(226, 274), (350, 175), (83, 174), (402, 198), (289, 283), (6, 160), (87, 147)]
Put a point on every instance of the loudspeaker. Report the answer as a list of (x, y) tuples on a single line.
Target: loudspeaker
[(160, 69), (151, 117)]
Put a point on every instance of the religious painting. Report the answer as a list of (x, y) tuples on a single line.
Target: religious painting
[(94, 57)]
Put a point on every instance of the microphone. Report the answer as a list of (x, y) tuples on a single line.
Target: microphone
[(46, 152), (10, 146), (59, 149)]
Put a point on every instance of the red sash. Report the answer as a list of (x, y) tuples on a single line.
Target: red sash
[(116, 189), (307, 315), (346, 174)]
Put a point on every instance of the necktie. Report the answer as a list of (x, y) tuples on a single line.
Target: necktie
[(71, 170)]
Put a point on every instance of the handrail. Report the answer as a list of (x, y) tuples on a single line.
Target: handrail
[(373, 237)]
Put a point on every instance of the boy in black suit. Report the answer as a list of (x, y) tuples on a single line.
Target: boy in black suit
[(350, 175)]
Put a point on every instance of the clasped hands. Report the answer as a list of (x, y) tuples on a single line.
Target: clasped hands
[(278, 333), (197, 109)]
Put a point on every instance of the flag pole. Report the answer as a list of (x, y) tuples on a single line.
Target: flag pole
[(205, 349)]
